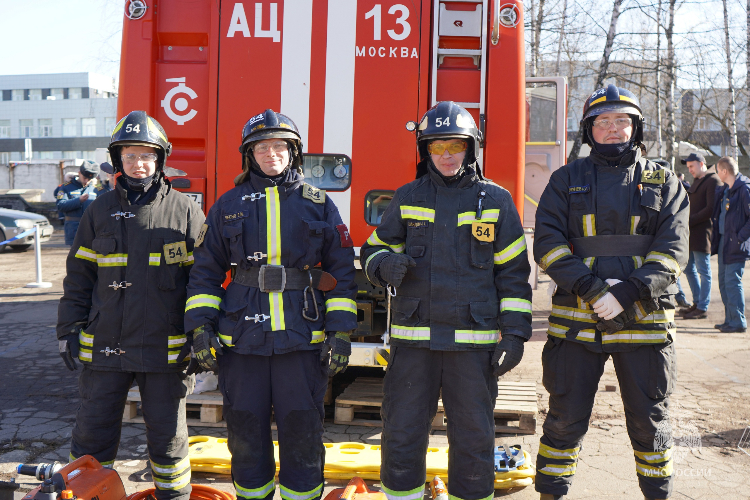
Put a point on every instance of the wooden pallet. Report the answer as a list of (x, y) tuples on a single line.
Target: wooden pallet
[(515, 409), (210, 405)]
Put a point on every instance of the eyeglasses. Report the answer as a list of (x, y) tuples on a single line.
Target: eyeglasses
[(438, 148), (143, 158), (276, 147), (620, 123)]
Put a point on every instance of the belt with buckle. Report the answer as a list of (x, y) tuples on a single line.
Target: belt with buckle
[(276, 279)]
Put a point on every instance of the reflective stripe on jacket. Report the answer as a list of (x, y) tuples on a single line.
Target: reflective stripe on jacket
[(257, 223), (463, 291), (119, 292), (590, 198)]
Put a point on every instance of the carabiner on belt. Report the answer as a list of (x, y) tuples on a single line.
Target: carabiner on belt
[(309, 288), (481, 196)]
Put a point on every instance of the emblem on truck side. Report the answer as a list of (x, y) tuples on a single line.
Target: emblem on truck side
[(180, 104)]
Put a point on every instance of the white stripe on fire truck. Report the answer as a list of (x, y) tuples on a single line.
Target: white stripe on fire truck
[(338, 125), (296, 52)]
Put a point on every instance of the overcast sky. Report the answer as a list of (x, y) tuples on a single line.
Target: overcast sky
[(61, 36)]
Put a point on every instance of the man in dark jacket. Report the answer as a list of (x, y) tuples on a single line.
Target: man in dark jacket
[(731, 241), (698, 270), (452, 243), (121, 310), (74, 196), (282, 325), (611, 231)]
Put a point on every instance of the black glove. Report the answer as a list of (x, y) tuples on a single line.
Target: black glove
[(70, 348), (596, 291), (204, 339), (508, 354), (338, 345), (619, 322), (393, 268)]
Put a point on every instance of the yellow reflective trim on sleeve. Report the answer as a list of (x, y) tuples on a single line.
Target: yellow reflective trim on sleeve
[(367, 262), (589, 225), (340, 304), (154, 259), (375, 240), (666, 260), (225, 339), (638, 261), (273, 249), (554, 255), (491, 215), (202, 300), (514, 304), (85, 339), (654, 457), (86, 254), (417, 213), (318, 337), (511, 251), (589, 262), (85, 354), (176, 340)]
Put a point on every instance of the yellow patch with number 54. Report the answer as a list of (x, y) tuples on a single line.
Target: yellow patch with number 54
[(175, 252), (482, 231), (653, 176)]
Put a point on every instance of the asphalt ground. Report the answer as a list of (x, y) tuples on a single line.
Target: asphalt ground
[(710, 405)]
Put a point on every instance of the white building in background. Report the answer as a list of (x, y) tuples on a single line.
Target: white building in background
[(66, 115)]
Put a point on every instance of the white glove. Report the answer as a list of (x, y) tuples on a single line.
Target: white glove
[(607, 307)]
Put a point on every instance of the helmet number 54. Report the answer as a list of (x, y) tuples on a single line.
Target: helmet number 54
[(133, 128), (439, 122)]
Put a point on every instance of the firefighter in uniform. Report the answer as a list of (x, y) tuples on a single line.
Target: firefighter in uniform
[(74, 196), (281, 327), (452, 244), (121, 313), (611, 232)]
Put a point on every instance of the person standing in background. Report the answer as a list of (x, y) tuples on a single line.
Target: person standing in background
[(698, 271)]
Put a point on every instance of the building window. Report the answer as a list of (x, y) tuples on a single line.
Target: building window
[(109, 125), (4, 129), (4, 158), (35, 95), (88, 155), (16, 95), (46, 155), (74, 93), (45, 127), (27, 127), (69, 127), (88, 127), (701, 123), (572, 123), (58, 94)]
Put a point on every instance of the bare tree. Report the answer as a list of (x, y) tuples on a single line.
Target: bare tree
[(602, 74), (732, 108), (671, 76), (659, 142), (561, 36)]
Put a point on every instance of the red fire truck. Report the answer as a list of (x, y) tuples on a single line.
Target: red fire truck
[(351, 74)]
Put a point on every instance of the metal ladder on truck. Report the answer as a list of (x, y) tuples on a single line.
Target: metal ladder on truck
[(459, 56)]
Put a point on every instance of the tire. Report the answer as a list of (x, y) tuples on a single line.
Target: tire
[(20, 248)]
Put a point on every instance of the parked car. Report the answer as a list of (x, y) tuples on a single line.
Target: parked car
[(15, 222)]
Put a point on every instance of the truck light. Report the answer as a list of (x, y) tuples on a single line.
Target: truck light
[(136, 9), (411, 126)]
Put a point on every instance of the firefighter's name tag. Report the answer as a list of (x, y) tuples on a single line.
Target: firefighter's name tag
[(201, 235), (653, 176), (579, 189), (482, 231), (175, 252), (313, 194)]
